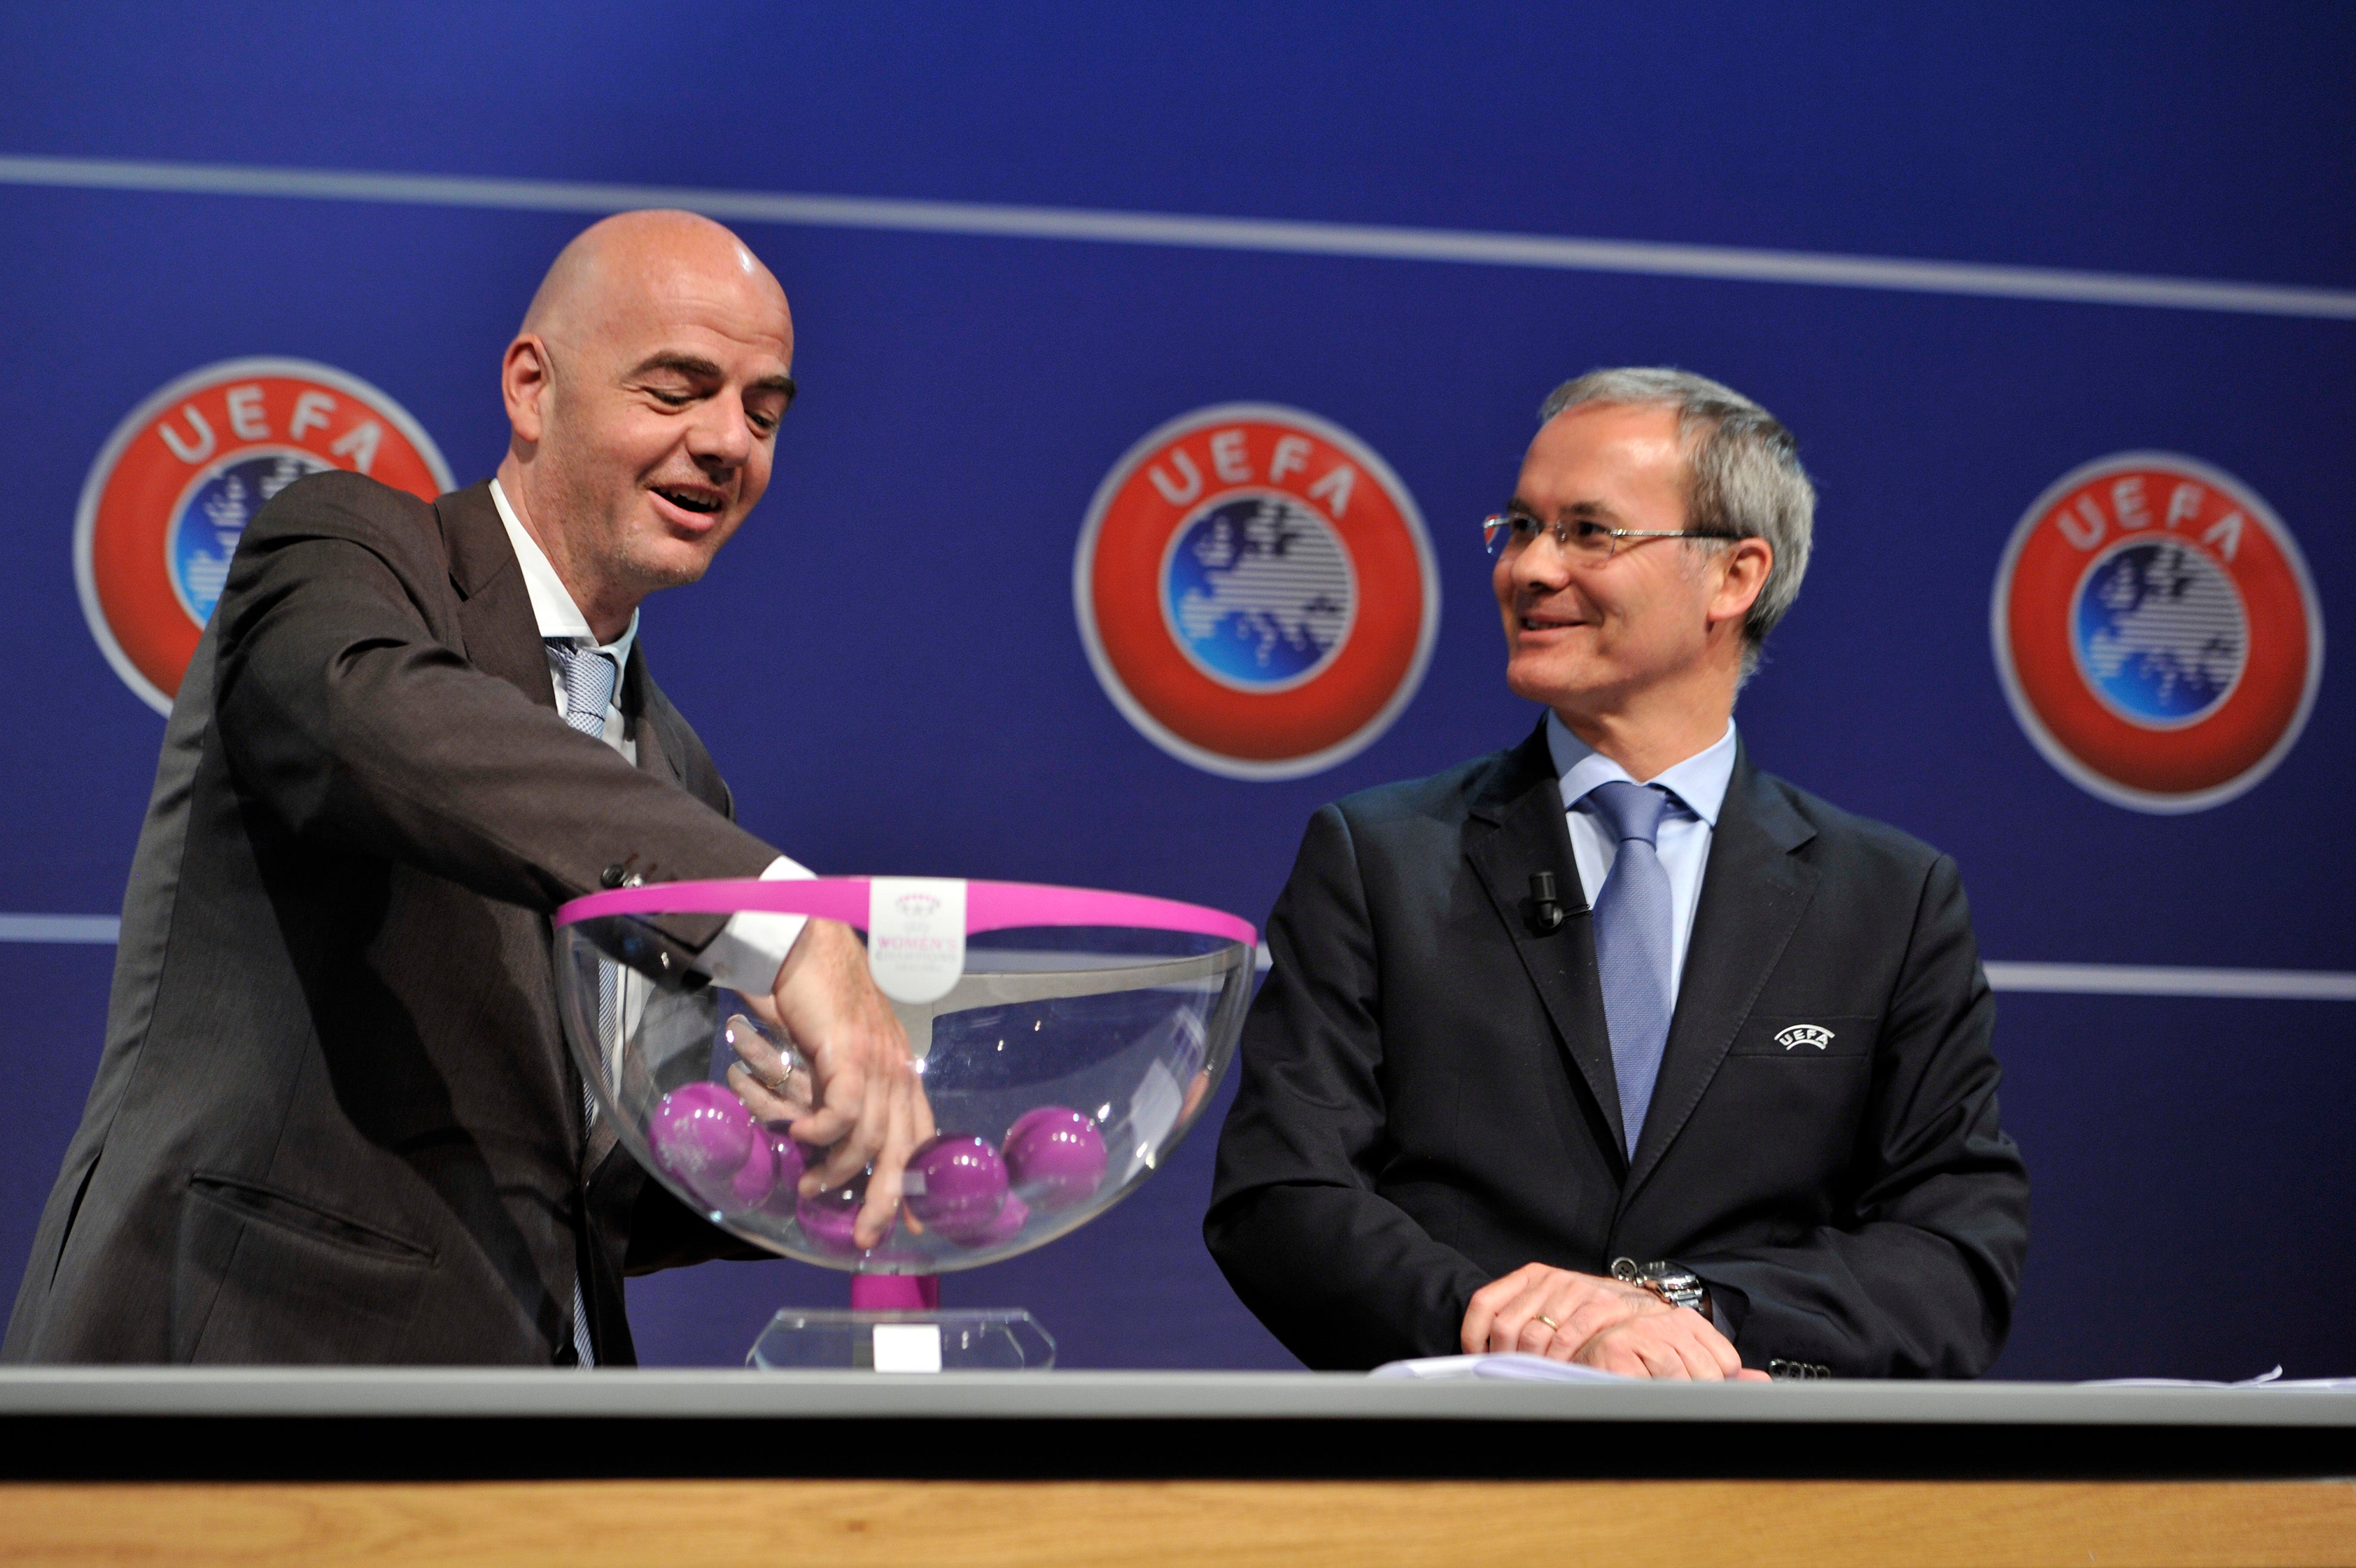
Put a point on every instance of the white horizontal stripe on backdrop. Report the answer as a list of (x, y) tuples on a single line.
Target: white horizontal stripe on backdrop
[(1366, 241), (59, 929)]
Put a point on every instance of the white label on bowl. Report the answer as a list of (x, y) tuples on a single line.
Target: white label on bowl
[(908, 1346), (916, 936)]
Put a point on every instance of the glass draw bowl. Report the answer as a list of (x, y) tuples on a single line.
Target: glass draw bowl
[(1069, 1040)]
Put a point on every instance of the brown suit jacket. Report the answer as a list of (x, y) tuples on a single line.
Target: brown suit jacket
[(335, 1119)]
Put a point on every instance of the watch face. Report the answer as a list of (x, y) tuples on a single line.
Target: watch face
[(1672, 1285), (1665, 1279)]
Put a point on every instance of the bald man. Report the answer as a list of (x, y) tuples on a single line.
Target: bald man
[(335, 1119)]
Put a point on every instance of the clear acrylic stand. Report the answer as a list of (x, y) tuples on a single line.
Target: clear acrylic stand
[(1000, 1340)]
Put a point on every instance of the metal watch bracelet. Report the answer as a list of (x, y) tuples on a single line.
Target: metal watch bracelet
[(1677, 1286)]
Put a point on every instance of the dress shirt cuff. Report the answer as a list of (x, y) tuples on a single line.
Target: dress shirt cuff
[(751, 947)]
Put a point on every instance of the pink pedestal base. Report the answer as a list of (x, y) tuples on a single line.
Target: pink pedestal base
[(896, 1293)]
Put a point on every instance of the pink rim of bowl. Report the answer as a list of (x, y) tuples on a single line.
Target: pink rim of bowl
[(989, 906)]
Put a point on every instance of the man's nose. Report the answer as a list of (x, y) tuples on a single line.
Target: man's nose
[(1537, 566), (720, 438)]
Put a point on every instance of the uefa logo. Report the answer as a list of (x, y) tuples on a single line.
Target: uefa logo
[(175, 484), (1256, 591), (2156, 632)]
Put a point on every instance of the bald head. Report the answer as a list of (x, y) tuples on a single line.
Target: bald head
[(618, 261), (645, 388)]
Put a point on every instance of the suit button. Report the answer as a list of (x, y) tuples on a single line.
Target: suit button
[(612, 876)]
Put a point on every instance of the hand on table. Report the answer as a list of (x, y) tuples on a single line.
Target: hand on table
[(863, 1104), (1599, 1322)]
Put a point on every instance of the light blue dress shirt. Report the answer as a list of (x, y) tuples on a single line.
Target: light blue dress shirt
[(1697, 788)]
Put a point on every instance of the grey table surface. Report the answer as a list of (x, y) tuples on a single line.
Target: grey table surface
[(704, 1394)]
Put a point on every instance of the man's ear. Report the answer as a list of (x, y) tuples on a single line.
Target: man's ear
[(1743, 574), (524, 378)]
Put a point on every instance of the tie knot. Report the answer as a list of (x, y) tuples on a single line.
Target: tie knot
[(1633, 810), (589, 676)]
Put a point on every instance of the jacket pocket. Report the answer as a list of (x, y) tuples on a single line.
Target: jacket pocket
[(259, 1276)]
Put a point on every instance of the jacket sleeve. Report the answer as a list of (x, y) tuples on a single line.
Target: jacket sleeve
[(1343, 1276), (1919, 1276), (343, 714)]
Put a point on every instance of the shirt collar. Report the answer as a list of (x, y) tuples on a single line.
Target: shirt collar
[(551, 604), (1698, 782)]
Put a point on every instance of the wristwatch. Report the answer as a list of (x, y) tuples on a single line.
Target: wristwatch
[(1675, 1285)]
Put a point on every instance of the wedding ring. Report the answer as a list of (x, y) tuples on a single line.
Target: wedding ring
[(1549, 1322)]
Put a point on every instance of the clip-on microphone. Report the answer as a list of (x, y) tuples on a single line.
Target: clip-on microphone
[(1546, 905)]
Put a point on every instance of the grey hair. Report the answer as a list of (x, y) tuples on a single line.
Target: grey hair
[(1743, 479)]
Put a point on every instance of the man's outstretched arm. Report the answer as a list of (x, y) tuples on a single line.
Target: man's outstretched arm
[(341, 709), (342, 712)]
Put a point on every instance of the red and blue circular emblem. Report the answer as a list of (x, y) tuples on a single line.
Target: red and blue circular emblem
[(175, 484), (1256, 591), (2157, 631)]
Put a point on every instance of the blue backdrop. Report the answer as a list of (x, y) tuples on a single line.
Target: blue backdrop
[(886, 662)]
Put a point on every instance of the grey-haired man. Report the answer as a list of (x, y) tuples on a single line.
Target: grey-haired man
[(1611, 1048)]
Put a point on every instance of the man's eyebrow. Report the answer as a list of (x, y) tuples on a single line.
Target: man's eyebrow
[(1578, 510), (692, 365)]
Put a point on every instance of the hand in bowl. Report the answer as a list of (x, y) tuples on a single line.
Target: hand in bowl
[(865, 1104), (774, 1085)]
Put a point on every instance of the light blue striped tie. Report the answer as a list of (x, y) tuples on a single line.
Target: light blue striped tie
[(588, 678), (1633, 946)]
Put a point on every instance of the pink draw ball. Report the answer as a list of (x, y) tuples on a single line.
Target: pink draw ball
[(999, 1230), (828, 1217), (1056, 1157), (750, 1187), (703, 1135), (956, 1186), (787, 1163)]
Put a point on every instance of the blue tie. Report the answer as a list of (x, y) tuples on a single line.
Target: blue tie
[(1631, 946), (588, 679)]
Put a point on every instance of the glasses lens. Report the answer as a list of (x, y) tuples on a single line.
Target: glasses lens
[(1590, 540), (1493, 532)]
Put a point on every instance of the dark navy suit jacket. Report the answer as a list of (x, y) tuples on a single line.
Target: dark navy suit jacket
[(1427, 1103)]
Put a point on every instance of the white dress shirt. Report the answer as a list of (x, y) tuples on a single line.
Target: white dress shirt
[(750, 948), (1697, 789)]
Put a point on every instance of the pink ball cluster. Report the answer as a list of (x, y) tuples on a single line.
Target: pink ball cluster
[(1053, 1159), (702, 1135)]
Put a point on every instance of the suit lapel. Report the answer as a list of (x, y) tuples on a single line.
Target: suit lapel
[(494, 614), (1752, 895), (658, 754), (1516, 828)]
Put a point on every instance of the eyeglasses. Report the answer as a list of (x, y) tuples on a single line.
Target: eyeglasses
[(1582, 540)]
